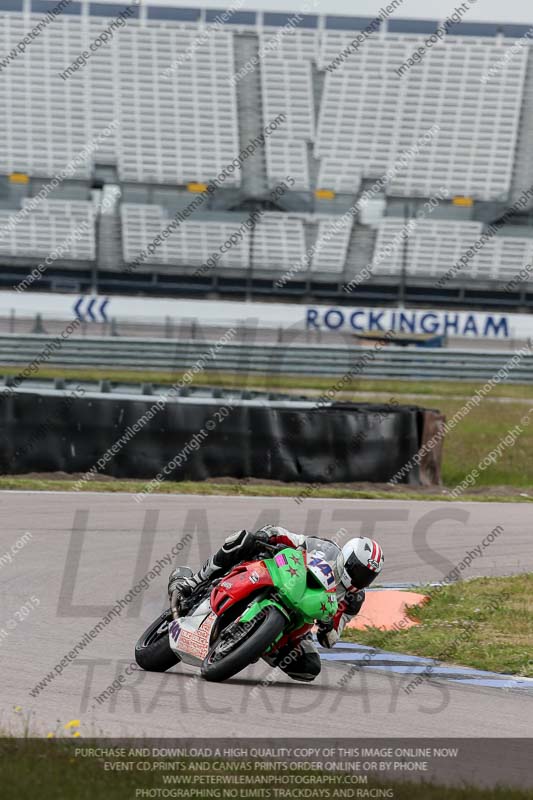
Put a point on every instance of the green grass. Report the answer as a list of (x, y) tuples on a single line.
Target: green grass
[(482, 430), (434, 389), (238, 489), (486, 623), (48, 770)]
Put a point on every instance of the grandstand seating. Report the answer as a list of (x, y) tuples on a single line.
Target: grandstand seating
[(279, 244), (278, 241), (287, 158), (434, 247), (370, 115), (45, 126), (343, 127), (340, 175), (171, 130), (102, 95), (287, 88), (331, 247), (191, 244), (295, 44), (68, 225), (182, 128)]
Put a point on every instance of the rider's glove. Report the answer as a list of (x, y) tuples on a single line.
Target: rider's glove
[(265, 534), (263, 538), (326, 634)]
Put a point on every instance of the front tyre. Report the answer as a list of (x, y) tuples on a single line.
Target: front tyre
[(152, 651), (239, 645)]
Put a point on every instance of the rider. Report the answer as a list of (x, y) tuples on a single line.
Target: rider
[(362, 561)]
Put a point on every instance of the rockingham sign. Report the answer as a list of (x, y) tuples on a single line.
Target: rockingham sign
[(450, 323), (288, 316)]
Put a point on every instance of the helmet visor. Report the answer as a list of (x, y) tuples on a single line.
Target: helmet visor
[(360, 576)]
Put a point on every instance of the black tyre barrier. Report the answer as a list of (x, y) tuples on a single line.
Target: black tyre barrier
[(201, 438)]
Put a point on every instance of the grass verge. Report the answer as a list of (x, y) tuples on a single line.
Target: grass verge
[(239, 489), (433, 389), (485, 623)]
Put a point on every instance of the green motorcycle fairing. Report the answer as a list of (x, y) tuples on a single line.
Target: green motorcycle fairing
[(299, 594)]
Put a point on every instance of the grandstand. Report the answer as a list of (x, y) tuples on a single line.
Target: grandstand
[(163, 110)]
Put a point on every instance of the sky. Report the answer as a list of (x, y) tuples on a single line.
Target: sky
[(484, 11)]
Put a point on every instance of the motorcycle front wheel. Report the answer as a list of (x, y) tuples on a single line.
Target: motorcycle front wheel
[(152, 651), (239, 645)]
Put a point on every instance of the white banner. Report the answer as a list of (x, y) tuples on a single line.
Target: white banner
[(345, 319)]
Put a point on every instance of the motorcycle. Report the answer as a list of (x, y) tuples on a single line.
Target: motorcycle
[(235, 620)]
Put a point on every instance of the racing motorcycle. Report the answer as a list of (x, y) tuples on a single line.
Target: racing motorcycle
[(233, 621)]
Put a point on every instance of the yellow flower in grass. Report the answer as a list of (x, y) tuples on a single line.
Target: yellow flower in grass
[(74, 723)]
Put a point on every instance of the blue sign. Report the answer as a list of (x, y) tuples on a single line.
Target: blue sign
[(476, 325), (93, 305)]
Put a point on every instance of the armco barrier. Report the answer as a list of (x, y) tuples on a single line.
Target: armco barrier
[(50, 431), (318, 360)]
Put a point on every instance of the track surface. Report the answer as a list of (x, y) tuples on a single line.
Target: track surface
[(89, 550)]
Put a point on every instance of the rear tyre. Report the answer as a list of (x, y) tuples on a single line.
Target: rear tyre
[(248, 647), (152, 651)]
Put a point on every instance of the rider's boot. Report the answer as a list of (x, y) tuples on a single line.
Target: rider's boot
[(236, 548)]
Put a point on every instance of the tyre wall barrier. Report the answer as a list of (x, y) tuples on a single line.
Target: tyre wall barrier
[(195, 438)]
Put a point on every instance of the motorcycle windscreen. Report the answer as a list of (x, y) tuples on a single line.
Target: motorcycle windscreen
[(190, 636), (325, 561)]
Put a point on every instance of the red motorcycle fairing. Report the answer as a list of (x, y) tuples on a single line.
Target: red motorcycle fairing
[(241, 581)]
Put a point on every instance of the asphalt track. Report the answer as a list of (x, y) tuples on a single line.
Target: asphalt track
[(88, 550)]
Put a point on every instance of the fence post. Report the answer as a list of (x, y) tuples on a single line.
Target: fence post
[(38, 325)]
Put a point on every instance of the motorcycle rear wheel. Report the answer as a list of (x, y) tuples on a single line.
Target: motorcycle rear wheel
[(247, 650), (152, 651)]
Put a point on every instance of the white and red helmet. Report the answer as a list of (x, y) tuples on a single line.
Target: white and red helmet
[(363, 561)]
